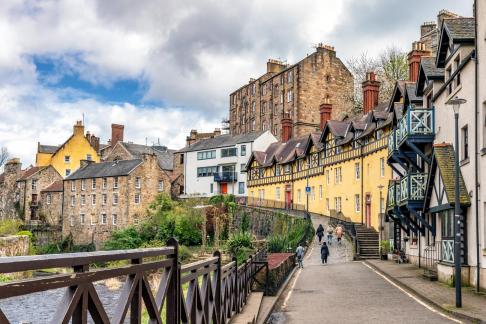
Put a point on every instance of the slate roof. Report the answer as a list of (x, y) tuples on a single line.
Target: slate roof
[(56, 186), (282, 152), (221, 141), (410, 91), (444, 156), (30, 172), (431, 71), (338, 128), (50, 149), (460, 28), (164, 155), (105, 169)]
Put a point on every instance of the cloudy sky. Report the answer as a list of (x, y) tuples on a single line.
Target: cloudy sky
[(163, 67)]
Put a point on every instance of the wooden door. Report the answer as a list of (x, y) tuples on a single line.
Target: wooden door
[(224, 188), (368, 210), (288, 199)]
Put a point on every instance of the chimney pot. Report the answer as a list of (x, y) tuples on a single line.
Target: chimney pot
[(418, 50), (286, 128), (325, 111), (371, 89)]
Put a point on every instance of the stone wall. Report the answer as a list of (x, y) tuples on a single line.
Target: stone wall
[(8, 189), (14, 245), (50, 210)]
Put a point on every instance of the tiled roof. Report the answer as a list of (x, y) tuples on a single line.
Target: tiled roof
[(221, 141), (105, 169), (30, 172), (164, 155), (444, 155), (430, 69), (282, 152), (410, 91), (316, 140), (460, 28), (338, 128), (56, 186), (50, 149)]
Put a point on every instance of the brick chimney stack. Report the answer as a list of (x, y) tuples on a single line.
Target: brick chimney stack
[(78, 128), (418, 50), (325, 110), (371, 90), (286, 128), (116, 134)]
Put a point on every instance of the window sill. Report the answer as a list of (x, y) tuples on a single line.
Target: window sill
[(464, 162), (483, 151)]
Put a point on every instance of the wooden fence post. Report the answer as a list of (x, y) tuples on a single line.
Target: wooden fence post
[(236, 290), (173, 301), (217, 292)]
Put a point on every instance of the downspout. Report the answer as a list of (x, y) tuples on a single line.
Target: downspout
[(476, 171), (363, 202)]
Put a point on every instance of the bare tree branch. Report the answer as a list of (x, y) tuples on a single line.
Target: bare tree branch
[(4, 155)]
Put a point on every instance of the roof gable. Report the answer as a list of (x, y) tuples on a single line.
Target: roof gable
[(456, 30)]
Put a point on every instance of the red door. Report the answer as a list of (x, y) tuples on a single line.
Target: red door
[(368, 210), (224, 188), (288, 199)]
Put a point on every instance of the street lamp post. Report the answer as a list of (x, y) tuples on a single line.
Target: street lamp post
[(456, 104), (380, 187)]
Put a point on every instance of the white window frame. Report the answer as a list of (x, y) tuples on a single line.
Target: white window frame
[(83, 184), (138, 182), (160, 185), (103, 219), (115, 183), (34, 184), (104, 199), (382, 167), (73, 200), (137, 201), (67, 159), (48, 198), (73, 185), (357, 171), (320, 192), (114, 219), (71, 220), (93, 183), (115, 199), (82, 218), (104, 183), (93, 199), (357, 203), (277, 193), (83, 200)]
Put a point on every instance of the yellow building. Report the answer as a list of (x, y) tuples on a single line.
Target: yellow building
[(344, 168), (66, 158)]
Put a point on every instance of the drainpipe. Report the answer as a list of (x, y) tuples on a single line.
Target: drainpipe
[(363, 203), (476, 171)]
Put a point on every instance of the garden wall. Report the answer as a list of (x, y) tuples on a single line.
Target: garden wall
[(14, 245)]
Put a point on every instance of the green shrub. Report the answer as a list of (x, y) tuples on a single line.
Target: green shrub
[(216, 200), (245, 223), (185, 254), (188, 228), (277, 244), (9, 227), (385, 246), (238, 241), (127, 238)]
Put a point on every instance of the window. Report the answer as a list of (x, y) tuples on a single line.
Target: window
[(313, 193), (287, 169), (328, 177), (115, 199), (161, 185), (83, 184), (382, 205), (137, 198), (48, 198), (206, 155), (447, 223), (253, 107), (465, 143), (338, 149), (34, 184), (357, 171), (104, 183), (211, 188), (181, 159), (207, 171), (337, 203), (338, 175), (137, 182), (277, 170), (83, 200), (449, 86), (82, 219), (379, 134), (227, 152), (253, 125), (277, 193), (382, 167), (327, 204), (103, 219), (93, 183), (299, 196), (114, 218), (290, 96), (458, 75), (88, 157), (243, 150), (281, 97), (71, 220), (67, 159), (242, 167), (67, 172), (241, 188), (290, 76), (92, 220), (73, 185), (73, 200), (93, 199), (357, 203), (104, 199), (115, 183), (320, 192)]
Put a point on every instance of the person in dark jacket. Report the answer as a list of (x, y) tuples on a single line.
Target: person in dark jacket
[(320, 232), (324, 252)]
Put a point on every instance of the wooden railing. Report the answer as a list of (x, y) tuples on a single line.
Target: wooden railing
[(199, 292)]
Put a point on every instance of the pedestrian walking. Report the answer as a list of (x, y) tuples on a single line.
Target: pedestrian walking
[(339, 233), (320, 232), (324, 253), (299, 253), (329, 234)]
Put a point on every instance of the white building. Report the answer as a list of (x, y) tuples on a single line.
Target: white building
[(217, 165)]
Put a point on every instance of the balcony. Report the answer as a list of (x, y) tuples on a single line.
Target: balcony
[(226, 177), (391, 202), (417, 126), (412, 188)]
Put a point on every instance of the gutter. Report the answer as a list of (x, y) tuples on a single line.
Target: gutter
[(476, 151)]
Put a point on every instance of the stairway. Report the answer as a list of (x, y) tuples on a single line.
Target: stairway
[(369, 243)]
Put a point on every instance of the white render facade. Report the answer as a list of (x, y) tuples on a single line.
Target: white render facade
[(218, 165)]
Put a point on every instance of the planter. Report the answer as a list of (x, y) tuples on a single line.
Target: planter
[(384, 256)]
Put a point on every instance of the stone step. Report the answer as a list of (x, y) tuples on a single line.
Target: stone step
[(250, 311)]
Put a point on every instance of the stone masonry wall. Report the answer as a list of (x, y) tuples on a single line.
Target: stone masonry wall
[(8, 189), (51, 213), (14, 245)]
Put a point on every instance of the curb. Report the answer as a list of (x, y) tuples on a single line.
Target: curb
[(279, 293), (424, 298)]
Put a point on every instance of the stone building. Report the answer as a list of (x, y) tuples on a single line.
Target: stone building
[(29, 186), (296, 91), (102, 197), (8, 188), (51, 203)]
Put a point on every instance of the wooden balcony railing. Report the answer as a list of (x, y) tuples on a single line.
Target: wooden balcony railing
[(199, 292), (412, 187)]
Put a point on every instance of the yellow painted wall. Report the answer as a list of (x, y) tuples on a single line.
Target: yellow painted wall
[(77, 147)]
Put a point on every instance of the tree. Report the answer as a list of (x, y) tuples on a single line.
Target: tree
[(391, 65), (4, 155)]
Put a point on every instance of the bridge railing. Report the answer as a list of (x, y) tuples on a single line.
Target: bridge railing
[(198, 292)]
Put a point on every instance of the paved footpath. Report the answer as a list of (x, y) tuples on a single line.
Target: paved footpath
[(344, 291)]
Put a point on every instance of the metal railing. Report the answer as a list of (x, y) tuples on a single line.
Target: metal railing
[(276, 204), (432, 256), (199, 292), (226, 177)]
